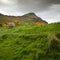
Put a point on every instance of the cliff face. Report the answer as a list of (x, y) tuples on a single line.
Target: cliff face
[(29, 18)]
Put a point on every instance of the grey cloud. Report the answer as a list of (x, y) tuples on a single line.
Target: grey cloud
[(52, 14), (28, 5), (36, 5)]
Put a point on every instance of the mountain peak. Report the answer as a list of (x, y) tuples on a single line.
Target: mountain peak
[(30, 14)]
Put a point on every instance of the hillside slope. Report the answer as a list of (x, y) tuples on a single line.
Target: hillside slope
[(30, 42), (30, 18)]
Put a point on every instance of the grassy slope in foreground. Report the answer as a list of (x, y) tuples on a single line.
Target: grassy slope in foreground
[(30, 43)]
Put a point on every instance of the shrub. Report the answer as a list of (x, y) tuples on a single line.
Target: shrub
[(4, 24), (4, 36), (58, 35), (0, 25)]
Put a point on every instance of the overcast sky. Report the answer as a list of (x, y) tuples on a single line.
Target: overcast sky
[(48, 10)]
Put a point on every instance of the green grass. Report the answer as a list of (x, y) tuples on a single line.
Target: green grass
[(30, 42)]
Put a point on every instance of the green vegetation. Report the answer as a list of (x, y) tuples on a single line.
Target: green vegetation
[(28, 42), (0, 25)]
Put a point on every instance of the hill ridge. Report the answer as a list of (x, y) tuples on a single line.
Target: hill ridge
[(29, 17)]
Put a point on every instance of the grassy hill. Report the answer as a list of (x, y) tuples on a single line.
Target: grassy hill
[(27, 42), (27, 18)]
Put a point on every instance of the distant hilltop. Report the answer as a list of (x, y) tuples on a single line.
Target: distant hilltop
[(30, 18)]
